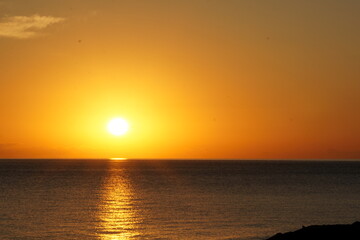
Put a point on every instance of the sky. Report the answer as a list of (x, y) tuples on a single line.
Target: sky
[(194, 79)]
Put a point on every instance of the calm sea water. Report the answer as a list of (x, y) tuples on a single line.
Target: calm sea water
[(149, 199)]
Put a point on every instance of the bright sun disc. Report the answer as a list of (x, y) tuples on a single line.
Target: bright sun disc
[(118, 126)]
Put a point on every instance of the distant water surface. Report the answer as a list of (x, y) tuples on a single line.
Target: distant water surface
[(150, 199)]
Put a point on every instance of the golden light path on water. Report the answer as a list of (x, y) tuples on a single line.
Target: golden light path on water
[(116, 212)]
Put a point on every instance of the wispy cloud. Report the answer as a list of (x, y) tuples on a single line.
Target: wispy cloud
[(23, 27)]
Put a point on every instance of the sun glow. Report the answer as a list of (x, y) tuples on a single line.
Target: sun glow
[(118, 159), (118, 126)]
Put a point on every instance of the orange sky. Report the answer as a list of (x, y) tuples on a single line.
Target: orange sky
[(195, 79)]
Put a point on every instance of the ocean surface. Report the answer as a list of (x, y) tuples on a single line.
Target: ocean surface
[(178, 199)]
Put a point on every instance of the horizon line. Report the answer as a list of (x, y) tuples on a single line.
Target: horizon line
[(192, 159)]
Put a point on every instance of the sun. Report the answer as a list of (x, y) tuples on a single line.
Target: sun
[(118, 126)]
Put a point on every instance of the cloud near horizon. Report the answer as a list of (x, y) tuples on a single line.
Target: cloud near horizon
[(23, 27)]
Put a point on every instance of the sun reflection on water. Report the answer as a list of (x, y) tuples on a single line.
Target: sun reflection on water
[(116, 213)]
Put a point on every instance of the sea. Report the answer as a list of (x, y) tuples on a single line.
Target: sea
[(115, 199)]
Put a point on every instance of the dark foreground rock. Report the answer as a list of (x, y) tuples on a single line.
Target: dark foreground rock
[(320, 232)]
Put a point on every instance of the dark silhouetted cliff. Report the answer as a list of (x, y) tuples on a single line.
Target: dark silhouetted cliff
[(322, 232)]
